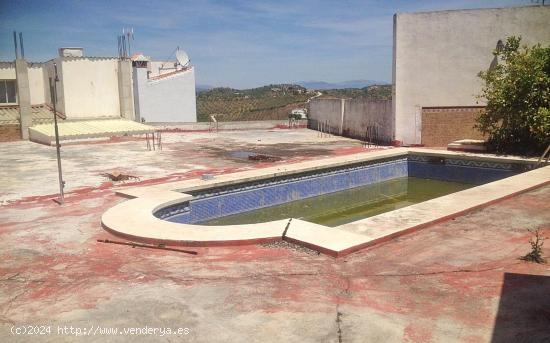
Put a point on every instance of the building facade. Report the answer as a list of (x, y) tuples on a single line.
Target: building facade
[(92, 88), (436, 60), (164, 92)]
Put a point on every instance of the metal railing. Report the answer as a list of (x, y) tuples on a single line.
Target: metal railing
[(546, 152), (373, 135), (154, 140)]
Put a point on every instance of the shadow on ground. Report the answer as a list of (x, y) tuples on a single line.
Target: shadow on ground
[(524, 309)]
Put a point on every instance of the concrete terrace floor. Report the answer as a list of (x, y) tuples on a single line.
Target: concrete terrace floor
[(457, 281)]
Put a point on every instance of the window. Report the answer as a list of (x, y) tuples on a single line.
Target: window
[(8, 92)]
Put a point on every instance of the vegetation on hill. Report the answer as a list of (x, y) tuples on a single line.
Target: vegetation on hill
[(375, 92), (517, 91), (262, 103), (272, 102)]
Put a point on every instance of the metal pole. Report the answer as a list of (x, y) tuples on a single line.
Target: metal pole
[(21, 45), (15, 43), (129, 50), (57, 145)]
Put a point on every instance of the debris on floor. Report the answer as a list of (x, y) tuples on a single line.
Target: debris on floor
[(118, 176), (289, 245), (264, 158)]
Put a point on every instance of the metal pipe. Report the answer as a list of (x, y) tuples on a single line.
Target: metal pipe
[(160, 246), (57, 145), (129, 50), (15, 44), (21, 45)]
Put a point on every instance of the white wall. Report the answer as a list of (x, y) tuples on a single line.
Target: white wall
[(7, 71), (157, 68), (168, 99), (437, 56), (359, 114), (36, 79), (36, 84), (90, 87), (48, 69)]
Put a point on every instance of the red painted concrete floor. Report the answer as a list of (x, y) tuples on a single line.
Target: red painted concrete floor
[(458, 281)]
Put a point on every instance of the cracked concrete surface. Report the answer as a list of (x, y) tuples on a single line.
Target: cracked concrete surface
[(30, 169), (456, 281)]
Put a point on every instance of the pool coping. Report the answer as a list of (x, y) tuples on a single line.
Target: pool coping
[(134, 220)]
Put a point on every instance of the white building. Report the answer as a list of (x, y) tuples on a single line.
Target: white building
[(94, 88), (163, 91), (437, 57)]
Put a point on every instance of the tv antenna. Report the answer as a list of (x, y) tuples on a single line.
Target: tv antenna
[(124, 42)]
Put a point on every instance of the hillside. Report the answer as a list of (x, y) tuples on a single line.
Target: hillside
[(322, 85), (272, 102), (375, 92), (264, 103)]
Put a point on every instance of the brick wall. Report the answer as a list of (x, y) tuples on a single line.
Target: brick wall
[(442, 125), (10, 133)]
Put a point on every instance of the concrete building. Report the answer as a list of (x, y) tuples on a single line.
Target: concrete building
[(436, 59), (91, 88), (163, 91)]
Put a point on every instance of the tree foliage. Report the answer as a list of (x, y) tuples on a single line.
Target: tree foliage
[(517, 91)]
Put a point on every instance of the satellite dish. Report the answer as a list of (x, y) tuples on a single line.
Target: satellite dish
[(182, 57)]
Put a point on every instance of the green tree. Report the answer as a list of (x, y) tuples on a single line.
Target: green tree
[(517, 91)]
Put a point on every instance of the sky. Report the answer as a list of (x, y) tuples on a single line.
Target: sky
[(241, 44)]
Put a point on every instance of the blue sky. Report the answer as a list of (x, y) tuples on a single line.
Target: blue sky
[(231, 43)]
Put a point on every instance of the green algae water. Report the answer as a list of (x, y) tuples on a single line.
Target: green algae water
[(343, 207)]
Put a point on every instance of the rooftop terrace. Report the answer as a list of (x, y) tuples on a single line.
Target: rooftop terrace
[(458, 280)]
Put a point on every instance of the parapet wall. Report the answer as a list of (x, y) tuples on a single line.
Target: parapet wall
[(354, 118), (230, 125)]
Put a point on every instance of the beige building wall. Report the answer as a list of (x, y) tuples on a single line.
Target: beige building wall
[(36, 83), (7, 71), (169, 99), (90, 87), (437, 56), (36, 79), (48, 68), (156, 68)]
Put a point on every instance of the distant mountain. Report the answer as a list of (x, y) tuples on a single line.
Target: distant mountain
[(339, 85)]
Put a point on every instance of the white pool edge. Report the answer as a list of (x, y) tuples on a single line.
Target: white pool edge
[(133, 219)]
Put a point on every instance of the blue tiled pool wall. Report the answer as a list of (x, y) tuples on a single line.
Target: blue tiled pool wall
[(223, 201), (461, 170), (219, 202)]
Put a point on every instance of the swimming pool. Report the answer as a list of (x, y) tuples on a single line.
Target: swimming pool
[(174, 213), (306, 195), (347, 206)]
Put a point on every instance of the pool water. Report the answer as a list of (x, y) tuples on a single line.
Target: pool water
[(343, 207)]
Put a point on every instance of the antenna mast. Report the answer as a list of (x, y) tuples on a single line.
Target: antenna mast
[(124, 43)]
